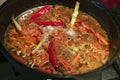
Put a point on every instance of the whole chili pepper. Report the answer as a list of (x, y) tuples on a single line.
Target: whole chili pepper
[(51, 55), (41, 11), (50, 23)]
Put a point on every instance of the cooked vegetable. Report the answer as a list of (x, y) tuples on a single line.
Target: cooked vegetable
[(18, 58), (74, 15), (74, 61), (70, 31), (18, 27), (64, 64), (40, 12), (51, 55), (96, 34), (40, 43), (101, 38)]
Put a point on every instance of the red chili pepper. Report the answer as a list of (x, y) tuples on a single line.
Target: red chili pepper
[(51, 55), (50, 23), (41, 11)]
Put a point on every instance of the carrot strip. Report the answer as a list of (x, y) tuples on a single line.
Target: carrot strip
[(18, 58), (87, 27), (43, 62), (93, 22), (48, 69), (61, 35), (43, 55), (57, 45), (70, 43), (74, 61), (64, 64), (40, 43), (101, 38), (57, 50), (96, 34)]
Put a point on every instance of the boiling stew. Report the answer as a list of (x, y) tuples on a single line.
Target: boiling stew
[(45, 40)]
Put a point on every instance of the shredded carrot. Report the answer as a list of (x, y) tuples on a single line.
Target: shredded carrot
[(87, 27), (44, 59), (65, 64), (94, 22), (53, 34), (61, 35), (79, 20), (23, 32), (96, 34), (71, 43), (56, 46), (48, 70), (74, 61), (43, 62), (18, 58), (22, 48), (34, 40), (43, 55), (101, 38), (57, 50)]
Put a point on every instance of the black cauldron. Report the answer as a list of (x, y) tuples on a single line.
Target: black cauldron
[(92, 7)]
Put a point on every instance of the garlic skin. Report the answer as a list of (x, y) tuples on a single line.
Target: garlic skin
[(70, 32), (48, 29)]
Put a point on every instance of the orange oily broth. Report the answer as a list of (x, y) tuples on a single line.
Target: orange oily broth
[(79, 54)]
